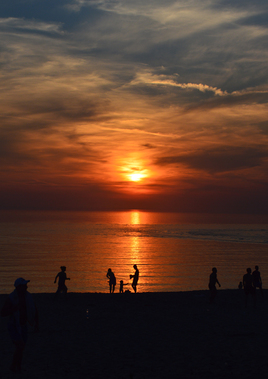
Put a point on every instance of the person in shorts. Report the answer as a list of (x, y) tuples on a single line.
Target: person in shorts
[(135, 278), (112, 280), (61, 283)]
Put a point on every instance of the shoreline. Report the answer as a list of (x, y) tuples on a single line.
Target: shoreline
[(144, 335)]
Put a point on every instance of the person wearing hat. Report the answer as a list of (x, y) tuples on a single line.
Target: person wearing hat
[(21, 310), (61, 283)]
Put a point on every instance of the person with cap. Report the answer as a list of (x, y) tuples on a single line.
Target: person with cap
[(61, 283), (21, 309)]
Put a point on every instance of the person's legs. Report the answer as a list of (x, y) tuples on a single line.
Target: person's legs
[(254, 296), (17, 357), (213, 293), (64, 290), (57, 293), (246, 298)]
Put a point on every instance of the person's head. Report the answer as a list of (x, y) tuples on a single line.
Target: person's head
[(63, 268), (21, 285), (249, 270), (121, 282), (256, 268), (135, 267), (109, 270), (214, 270)]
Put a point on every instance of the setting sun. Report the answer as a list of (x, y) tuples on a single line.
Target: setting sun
[(136, 177)]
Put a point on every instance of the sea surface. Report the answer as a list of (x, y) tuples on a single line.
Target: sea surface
[(174, 252)]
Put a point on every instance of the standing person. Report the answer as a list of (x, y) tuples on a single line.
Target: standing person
[(257, 282), (21, 309), (61, 283), (212, 284), (122, 284), (112, 280), (135, 278), (248, 287)]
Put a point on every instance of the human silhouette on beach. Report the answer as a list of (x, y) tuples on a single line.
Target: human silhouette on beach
[(21, 309), (112, 280), (257, 282), (249, 287), (61, 283), (212, 284), (122, 284), (135, 278)]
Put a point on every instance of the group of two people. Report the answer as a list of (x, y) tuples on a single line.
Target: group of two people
[(112, 280), (251, 281)]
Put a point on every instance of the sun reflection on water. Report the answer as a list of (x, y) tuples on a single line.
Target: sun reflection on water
[(135, 217), (135, 249)]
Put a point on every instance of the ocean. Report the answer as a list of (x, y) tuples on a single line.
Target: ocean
[(174, 252)]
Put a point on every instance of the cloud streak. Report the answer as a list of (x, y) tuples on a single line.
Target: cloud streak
[(163, 80)]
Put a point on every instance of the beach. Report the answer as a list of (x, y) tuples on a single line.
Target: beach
[(144, 335)]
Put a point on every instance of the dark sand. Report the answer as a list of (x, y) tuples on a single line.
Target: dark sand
[(147, 335)]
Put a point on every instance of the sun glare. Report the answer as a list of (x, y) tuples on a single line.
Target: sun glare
[(136, 177)]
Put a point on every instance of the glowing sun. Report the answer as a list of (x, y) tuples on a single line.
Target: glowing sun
[(136, 177)]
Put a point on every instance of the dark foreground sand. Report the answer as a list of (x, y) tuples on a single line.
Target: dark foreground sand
[(147, 335)]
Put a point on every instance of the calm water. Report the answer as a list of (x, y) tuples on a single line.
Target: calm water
[(174, 252)]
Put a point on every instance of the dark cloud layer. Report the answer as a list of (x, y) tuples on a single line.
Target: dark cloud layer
[(220, 159)]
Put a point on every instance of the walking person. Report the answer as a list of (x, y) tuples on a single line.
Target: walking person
[(212, 284), (61, 282), (21, 310), (135, 278), (112, 280)]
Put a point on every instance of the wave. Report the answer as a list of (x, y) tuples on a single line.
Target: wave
[(228, 234)]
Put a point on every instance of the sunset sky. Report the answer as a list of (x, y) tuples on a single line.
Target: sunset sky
[(127, 104)]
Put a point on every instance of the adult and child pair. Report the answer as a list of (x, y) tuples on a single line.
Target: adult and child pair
[(112, 280)]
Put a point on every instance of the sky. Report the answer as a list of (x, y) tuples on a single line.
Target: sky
[(155, 105)]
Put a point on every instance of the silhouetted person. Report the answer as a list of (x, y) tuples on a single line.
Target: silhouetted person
[(257, 282), (135, 278), (122, 284), (248, 287), (240, 285), (112, 280), (21, 309), (61, 283), (212, 284)]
